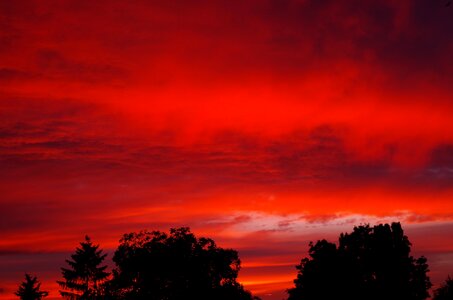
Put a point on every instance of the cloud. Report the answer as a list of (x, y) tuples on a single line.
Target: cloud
[(55, 65), (96, 170), (7, 74), (294, 39), (255, 122), (442, 156), (71, 132)]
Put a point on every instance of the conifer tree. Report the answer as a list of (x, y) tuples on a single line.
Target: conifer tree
[(85, 277), (445, 291), (30, 289)]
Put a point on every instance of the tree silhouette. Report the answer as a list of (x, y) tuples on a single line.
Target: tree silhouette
[(445, 291), (157, 265), (86, 277), (30, 289), (369, 263)]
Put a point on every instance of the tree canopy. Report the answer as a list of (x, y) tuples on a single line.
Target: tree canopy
[(30, 289), (157, 265), (369, 263), (85, 277)]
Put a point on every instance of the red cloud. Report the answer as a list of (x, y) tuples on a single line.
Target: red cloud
[(115, 116)]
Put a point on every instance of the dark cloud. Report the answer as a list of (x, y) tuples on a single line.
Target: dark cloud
[(16, 264), (291, 38), (442, 156), (72, 134), (7, 74), (438, 171), (25, 215), (53, 64)]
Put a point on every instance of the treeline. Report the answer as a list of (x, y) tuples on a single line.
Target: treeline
[(368, 263)]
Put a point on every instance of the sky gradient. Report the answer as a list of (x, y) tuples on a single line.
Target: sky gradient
[(261, 124)]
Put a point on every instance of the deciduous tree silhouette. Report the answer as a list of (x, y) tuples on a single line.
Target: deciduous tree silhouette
[(369, 263), (445, 291), (30, 289), (157, 265), (86, 276)]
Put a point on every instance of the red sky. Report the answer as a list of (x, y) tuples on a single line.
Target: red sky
[(262, 124)]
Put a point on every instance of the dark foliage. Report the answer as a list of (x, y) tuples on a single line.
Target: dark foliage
[(157, 265), (369, 263), (30, 289), (85, 278), (445, 291)]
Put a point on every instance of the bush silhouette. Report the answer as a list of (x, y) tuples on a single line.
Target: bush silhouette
[(369, 263), (30, 289), (85, 278), (157, 265)]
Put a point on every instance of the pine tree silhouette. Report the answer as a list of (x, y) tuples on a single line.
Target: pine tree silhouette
[(30, 289), (445, 291), (85, 278)]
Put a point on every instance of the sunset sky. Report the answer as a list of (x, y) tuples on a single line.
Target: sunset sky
[(263, 124)]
